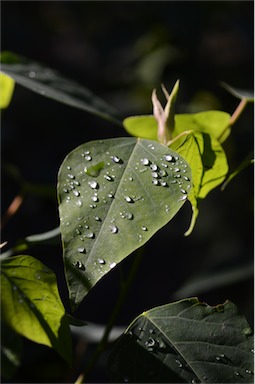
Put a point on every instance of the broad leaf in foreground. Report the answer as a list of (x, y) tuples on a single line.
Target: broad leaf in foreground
[(31, 304), (186, 341), (113, 196)]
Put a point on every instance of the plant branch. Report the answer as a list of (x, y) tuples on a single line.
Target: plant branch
[(238, 111), (178, 137), (121, 298)]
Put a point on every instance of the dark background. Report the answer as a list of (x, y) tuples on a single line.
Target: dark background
[(121, 51)]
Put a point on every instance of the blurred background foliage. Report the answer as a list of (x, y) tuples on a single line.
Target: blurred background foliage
[(121, 51)]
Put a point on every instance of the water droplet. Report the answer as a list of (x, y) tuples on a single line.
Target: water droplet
[(183, 198), (151, 331), (176, 169), (112, 265), (79, 203), (90, 235), (71, 176), (130, 178), (78, 264), (76, 193), (162, 344), (65, 190), (150, 342), (153, 167), (154, 174), (108, 177), (113, 229), (101, 261), (77, 231), (93, 184), (193, 381), (95, 169), (116, 159), (31, 74), (97, 218), (144, 228), (94, 198), (145, 161), (177, 176), (186, 178), (163, 183), (81, 250), (110, 195), (248, 371), (183, 191), (237, 373), (155, 182), (167, 208), (128, 199), (168, 158), (162, 173), (178, 363)]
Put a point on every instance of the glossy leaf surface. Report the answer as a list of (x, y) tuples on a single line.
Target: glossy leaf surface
[(31, 305), (113, 196), (186, 341)]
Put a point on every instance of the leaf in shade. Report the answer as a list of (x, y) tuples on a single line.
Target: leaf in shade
[(113, 196), (51, 84), (11, 348), (31, 305), (185, 341)]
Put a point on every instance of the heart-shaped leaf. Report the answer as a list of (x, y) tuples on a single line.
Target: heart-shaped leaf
[(113, 196), (186, 341), (31, 305)]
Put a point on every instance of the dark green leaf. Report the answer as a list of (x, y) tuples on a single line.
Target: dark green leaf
[(186, 341), (108, 211), (11, 348), (49, 83), (31, 305)]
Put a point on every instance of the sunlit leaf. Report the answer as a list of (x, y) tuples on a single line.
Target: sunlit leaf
[(7, 85), (214, 123), (113, 196), (51, 84), (186, 341), (31, 305), (208, 163)]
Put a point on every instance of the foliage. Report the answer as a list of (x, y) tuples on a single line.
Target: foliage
[(113, 196)]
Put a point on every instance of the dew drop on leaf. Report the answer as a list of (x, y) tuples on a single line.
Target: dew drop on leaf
[(112, 265), (128, 199), (145, 161), (81, 250), (71, 176), (101, 261), (116, 159), (153, 167), (113, 229), (78, 264), (144, 228)]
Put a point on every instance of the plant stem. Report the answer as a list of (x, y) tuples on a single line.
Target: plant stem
[(122, 295), (238, 111), (177, 137)]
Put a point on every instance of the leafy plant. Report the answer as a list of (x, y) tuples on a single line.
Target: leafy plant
[(114, 195)]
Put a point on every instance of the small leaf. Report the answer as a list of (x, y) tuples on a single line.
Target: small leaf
[(7, 85), (107, 214), (49, 83), (240, 168), (11, 348), (185, 341), (239, 93), (31, 304)]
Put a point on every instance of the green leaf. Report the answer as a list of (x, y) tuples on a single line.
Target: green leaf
[(49, 83), (31, 304), (208, 163), (7, 85), (11, 348), (214, 123), (240, 168), (185, 341), (239, 93), (113, 196)]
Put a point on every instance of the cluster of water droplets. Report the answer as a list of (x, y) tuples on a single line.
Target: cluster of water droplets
[(91, 185)]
